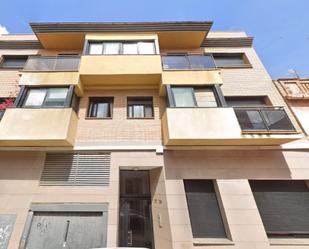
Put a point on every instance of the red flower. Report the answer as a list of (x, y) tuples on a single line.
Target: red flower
[(6, 103)]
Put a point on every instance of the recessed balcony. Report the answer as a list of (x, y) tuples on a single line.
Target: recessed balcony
[(225, 126), (38, 127)]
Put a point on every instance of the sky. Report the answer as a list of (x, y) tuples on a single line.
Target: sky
[(280, 27)]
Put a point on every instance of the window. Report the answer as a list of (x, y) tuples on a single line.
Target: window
[(118, 47), (187, 62), (191, 96), (13, 61), (231, 60), (100, 107), (246, 101), (204, 211), (46, 97), (140, 107), (283, 206)]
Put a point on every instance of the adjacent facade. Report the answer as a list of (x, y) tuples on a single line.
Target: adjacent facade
[(158, 135)]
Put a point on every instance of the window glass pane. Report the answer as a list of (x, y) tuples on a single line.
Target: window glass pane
[(140, 107), (146, 48), (277, 120), (229, 60), (148, 112), (111, 48), (95, 48), (183, 96), (130, 48), (201, 61), (35, 97), (138, 111), (56, 97), (103, 110), (250, 120), (205, 97), (100, 107), (204, 211), (175, 62)]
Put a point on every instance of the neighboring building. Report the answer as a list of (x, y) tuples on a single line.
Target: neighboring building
[(295, 91), (159, 135)]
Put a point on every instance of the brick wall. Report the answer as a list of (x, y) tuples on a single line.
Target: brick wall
[(119, 130)]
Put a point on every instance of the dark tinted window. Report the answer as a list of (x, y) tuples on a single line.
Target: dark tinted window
[(205, 216), (100, 107), (283, 206), (245, 101), (230, 60), (140, 107), (10, 61)]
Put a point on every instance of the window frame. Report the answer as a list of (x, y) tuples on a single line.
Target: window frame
[(246, 61), (22, 96), (121, 42), (215, 88), (108, 99), (211, 240), (279, 235), (5, 57), (142, 98)]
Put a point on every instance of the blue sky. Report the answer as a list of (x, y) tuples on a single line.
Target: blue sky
[(280, 27)]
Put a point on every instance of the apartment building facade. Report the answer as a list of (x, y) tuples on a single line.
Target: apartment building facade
[(154, 135)]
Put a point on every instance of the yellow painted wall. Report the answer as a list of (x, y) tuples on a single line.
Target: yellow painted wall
[(38, 127)]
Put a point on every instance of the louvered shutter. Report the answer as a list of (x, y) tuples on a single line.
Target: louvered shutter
[(204, 211), (283, 206), (76, 169)]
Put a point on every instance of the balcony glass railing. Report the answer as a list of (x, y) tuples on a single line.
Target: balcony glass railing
[(188, 62), (264, 119), (52, 63)]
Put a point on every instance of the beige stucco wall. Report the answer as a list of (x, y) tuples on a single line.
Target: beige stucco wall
[(231, 169), (19, 187)]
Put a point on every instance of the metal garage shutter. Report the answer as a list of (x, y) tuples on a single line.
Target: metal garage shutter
[(76, 169), (283, 206), (205, 216)]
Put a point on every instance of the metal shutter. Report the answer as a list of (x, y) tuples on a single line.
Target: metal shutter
[(76, 169), (205, 216), (283, 206)]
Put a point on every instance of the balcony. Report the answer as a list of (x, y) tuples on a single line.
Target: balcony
[(222, 126), (120, 70), (38, 127), (190, 69), (51, 70)]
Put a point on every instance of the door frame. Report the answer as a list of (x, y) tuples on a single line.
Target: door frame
[(63, 207), (137, 197)]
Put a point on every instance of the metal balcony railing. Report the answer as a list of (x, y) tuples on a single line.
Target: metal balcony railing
[(52, 63), (263, 119), (188, 62)]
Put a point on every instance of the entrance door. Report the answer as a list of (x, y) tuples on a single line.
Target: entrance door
[(135, 228)]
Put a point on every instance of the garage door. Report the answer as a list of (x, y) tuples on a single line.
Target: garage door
[(66, 229)]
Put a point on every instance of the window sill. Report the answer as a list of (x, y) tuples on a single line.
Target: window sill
[(235, 67), (212, 241), (189, 69), (288, 242), (93, 118), (140, 118), (261, 132)]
